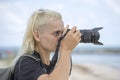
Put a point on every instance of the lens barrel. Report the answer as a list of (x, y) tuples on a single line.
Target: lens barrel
[(90, 35)]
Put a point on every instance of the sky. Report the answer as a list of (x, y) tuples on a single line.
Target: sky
[(85, 14)]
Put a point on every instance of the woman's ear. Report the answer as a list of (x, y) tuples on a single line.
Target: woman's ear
[(36, 36)]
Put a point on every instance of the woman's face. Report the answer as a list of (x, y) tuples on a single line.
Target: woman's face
[(49, 38)]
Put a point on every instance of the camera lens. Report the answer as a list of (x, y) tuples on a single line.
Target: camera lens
[(90, 35)]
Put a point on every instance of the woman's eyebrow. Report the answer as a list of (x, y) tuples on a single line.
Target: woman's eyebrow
[(59, 31)]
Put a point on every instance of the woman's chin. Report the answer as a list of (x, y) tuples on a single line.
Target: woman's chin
[(53, 50)]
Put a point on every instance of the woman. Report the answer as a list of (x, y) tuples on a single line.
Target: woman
[(44, 29)]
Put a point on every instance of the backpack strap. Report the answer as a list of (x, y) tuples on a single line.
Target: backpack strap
[(33, 57), (37, 60)]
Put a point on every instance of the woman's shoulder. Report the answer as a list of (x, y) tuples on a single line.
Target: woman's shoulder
[(28, 59), (31, 56)]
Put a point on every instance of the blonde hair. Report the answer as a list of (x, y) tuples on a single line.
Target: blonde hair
[(36, 21)]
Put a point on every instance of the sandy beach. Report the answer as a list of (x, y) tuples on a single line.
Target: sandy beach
[(90, 71)]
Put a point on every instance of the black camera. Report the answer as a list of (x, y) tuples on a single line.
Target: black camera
[(90, 35)]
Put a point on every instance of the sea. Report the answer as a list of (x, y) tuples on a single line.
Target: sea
[(109, 56), (112, 60)]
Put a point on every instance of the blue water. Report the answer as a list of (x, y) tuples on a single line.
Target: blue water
[(112, 60)]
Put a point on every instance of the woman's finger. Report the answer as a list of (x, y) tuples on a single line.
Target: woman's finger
[(73, 29), (66, 28)]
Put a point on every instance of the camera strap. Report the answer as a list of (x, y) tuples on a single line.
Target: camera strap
[(55, 57)]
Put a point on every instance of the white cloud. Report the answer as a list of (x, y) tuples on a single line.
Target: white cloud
[(82, 13), (94, 18), (89, 2), (10, 16), (13, 21), (114, 5), (56, 6)]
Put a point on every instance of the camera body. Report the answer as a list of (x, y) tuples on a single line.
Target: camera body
[(90, 35)]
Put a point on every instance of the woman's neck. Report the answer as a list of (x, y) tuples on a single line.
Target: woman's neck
[(44, 54)]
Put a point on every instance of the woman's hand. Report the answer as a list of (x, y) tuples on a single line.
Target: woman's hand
[(71, 40)]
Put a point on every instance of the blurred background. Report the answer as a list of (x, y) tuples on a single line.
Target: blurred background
[(85, 14)]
